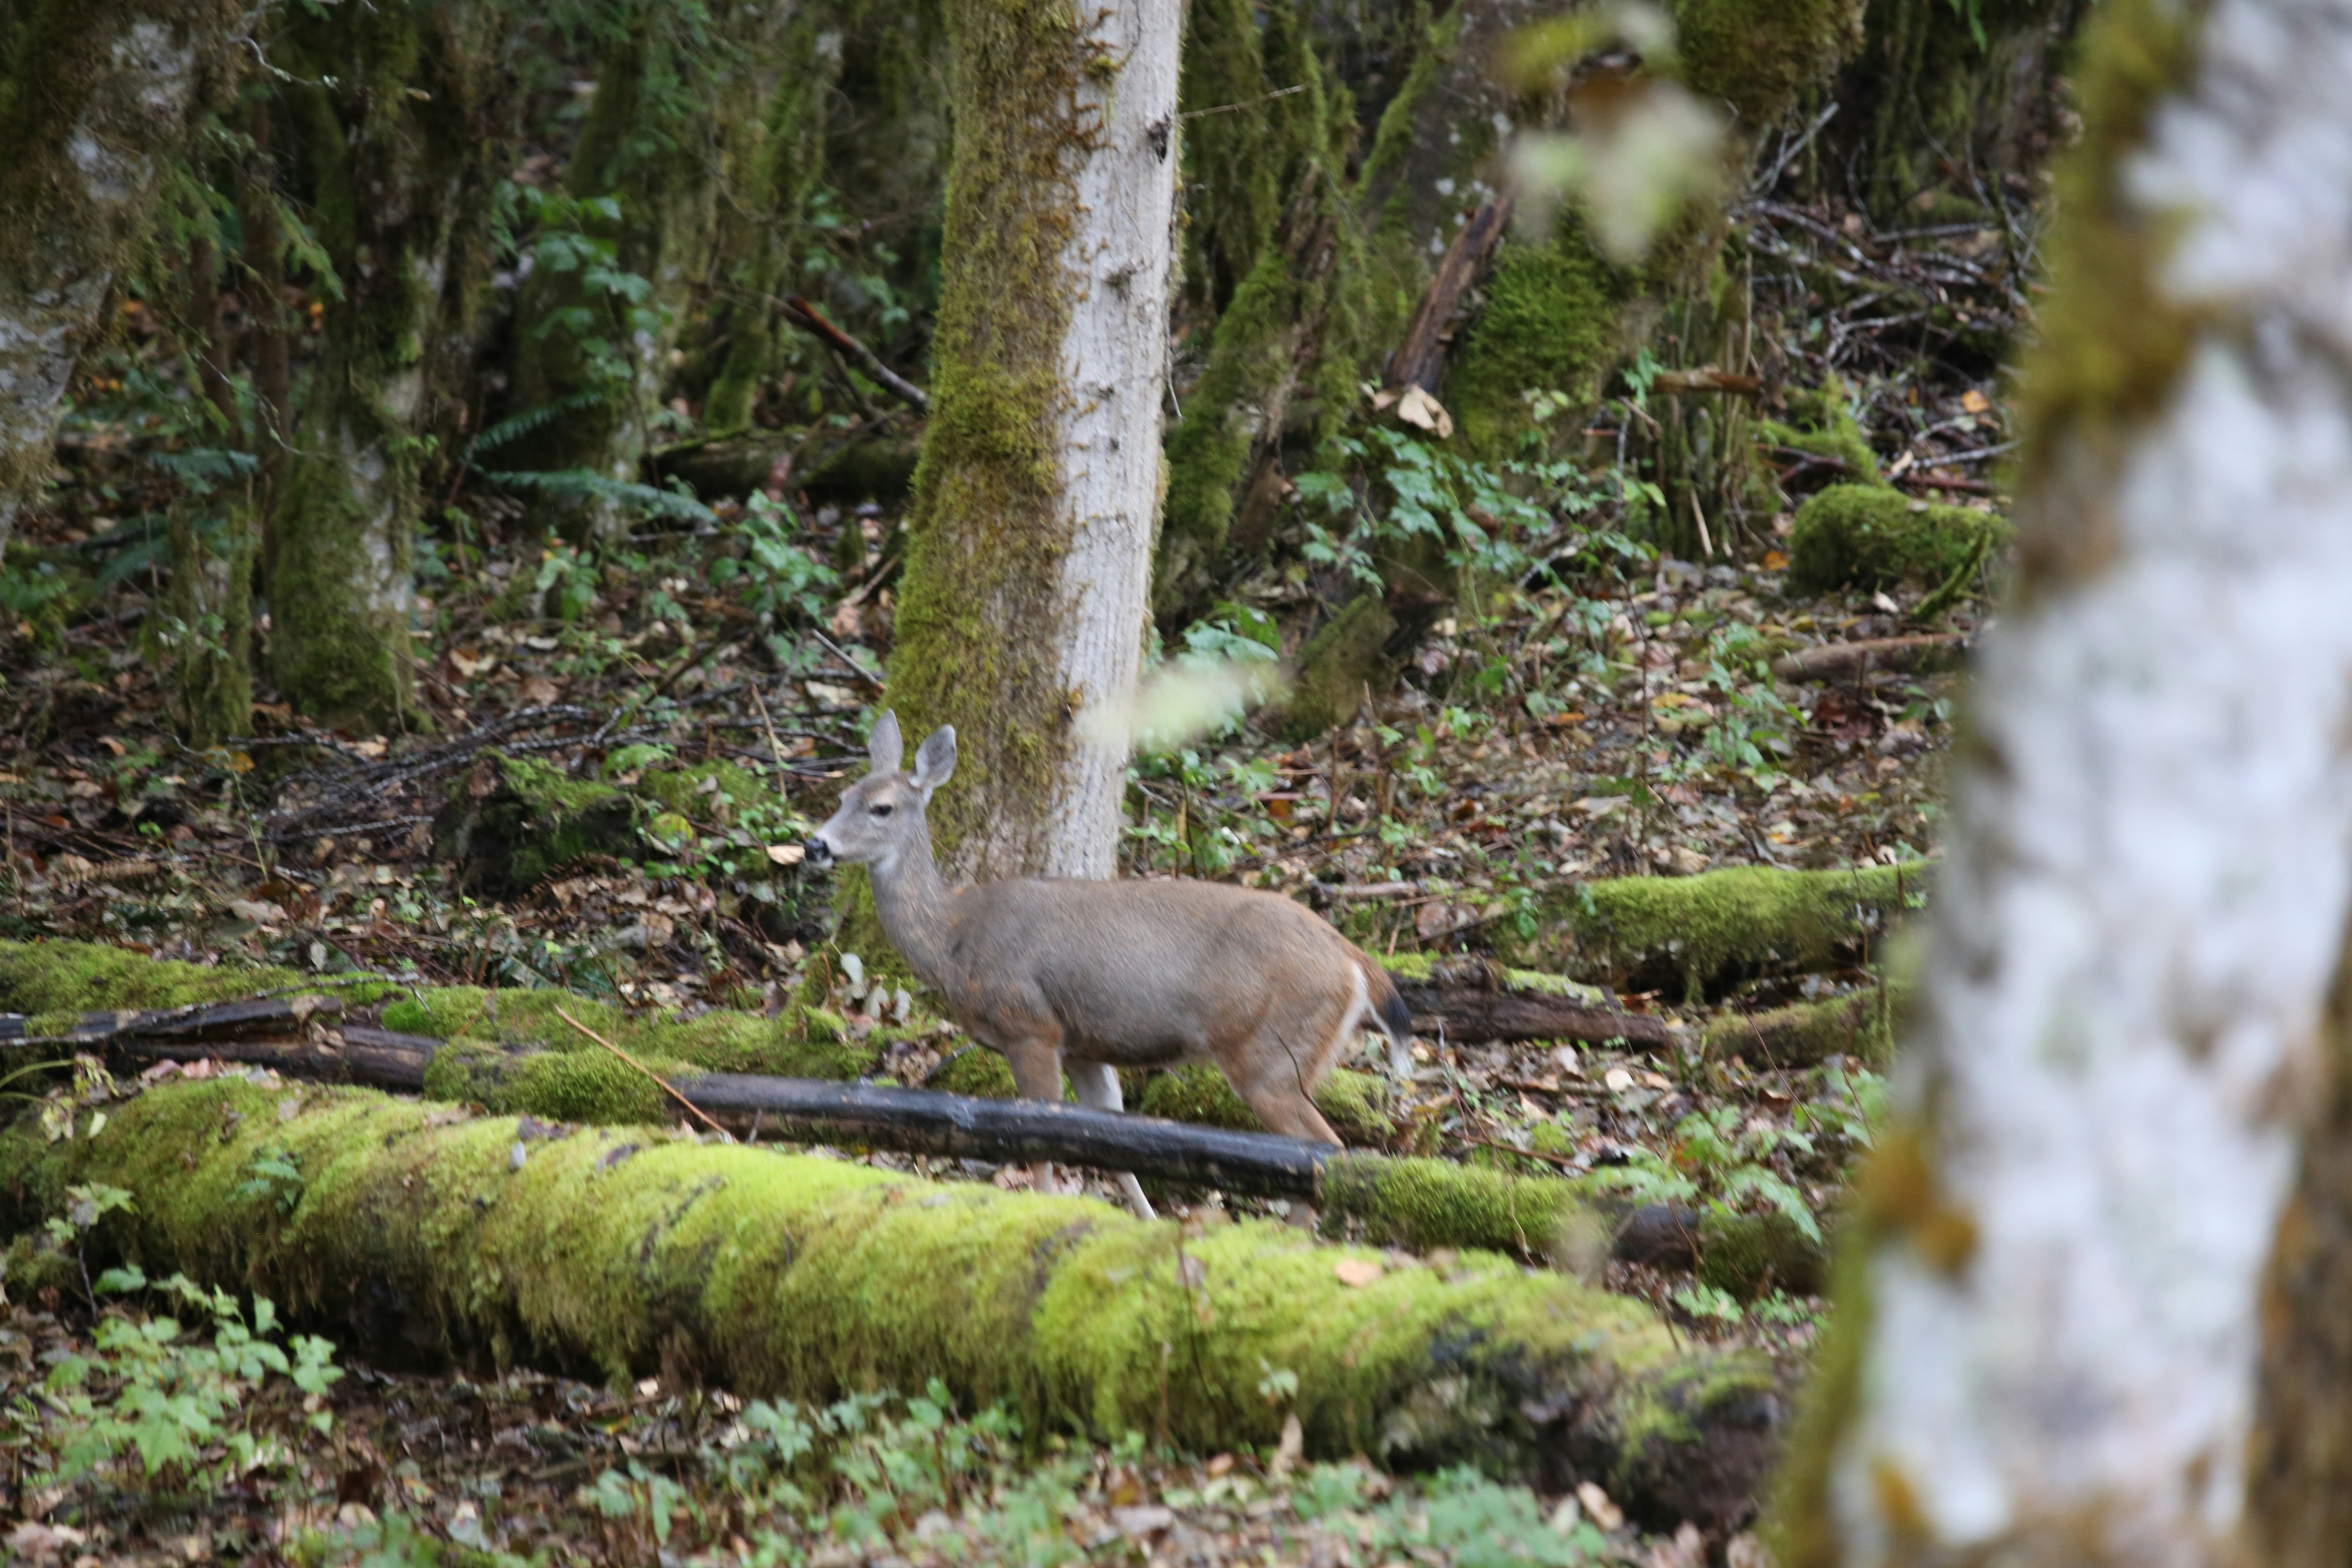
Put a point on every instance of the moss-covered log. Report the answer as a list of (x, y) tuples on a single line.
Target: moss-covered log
[(1856, 1025), (1700, 935), (1871, 536), (640, 1252)]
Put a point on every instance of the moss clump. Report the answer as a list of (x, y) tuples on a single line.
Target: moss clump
[(1357, 1104), (1707, 932), (812, 1044), (591, 1086), (514, 821), (1808, 1032), (1337, 666), (1761, 56), (1554, 321), (643, 1252), (64, 977), (1430, 969), (1746, 1254), (1868, 536)]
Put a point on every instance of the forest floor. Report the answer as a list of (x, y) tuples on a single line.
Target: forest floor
[(1601, 715)]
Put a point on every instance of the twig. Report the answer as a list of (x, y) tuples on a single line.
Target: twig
[(855, 668), (695, 1110), (1245, 103), (812, 318)]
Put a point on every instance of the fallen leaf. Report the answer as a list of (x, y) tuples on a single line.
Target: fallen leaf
[(787, 854), (1776, 561), (1143, 1519), (1598, 1508), (1975, 401), (372, 748), (1292, 1444), (1618, 1080), (540, 690), (1221, 1463), (258, 913), (1418, 409), (1357, 1272)]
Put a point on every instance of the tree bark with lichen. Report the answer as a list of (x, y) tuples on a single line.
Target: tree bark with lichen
[(2093, 1307), (96, 100), (1030, 536)]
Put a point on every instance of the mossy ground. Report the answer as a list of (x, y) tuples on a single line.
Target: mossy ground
[(1871, 536)]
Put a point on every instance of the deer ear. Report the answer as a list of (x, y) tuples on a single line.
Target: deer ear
[(886, 748), (935, 763)]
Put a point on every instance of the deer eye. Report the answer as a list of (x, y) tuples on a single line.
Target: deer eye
[(883, 810)]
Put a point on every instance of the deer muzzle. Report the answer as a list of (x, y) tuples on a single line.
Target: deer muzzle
[(817, 852)]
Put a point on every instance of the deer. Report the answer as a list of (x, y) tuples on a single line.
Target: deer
[(1067, 974)]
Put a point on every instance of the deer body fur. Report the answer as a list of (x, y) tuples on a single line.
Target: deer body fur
[(1096, 976)]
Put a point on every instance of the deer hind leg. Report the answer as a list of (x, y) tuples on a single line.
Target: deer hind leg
[(1097, 1087)]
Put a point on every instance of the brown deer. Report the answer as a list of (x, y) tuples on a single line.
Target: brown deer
[(1096, 976)]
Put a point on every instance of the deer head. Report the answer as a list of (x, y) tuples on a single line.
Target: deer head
[(882, 813)]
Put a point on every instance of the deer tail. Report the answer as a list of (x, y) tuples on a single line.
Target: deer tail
[(1388, 1003)]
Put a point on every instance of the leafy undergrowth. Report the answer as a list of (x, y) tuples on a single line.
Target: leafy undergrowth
[(135, 1437), (1592, 708)]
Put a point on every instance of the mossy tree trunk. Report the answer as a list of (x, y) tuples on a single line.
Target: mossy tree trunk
[(634, 1252), (2095, 1308), (1028, 566), (389, 117), (96, 100)]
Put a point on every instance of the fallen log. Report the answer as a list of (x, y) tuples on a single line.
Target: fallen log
[(1700, 936), (1473, 1001), (415, 1232), (1416, 1203), (1918, 654), (1858, 1025)]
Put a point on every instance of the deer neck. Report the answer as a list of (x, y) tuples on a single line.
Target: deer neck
[(911, 900)]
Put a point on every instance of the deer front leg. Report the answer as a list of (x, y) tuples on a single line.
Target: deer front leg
[(1097, 1087), (1034, 1052)]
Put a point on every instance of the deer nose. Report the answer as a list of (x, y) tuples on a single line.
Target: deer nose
[(817, 852)]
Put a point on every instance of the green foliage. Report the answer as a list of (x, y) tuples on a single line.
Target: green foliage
[(778, 578), (1553, 321)]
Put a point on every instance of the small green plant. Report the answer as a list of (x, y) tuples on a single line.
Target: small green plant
[(185, 1409), (778, 576), (1717, 1160), (276, 1179)]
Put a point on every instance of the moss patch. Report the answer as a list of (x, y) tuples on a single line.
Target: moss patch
[(1336, 665), (1553, 322), (59, 977), (1868, 536), (1857, 1026), (643, 1252), (1761, 56), (1703, 933)]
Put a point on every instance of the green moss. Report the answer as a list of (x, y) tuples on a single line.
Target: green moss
[(67, 977), (528, 821), (589, 1086), (1761, 56), (1869, 536), (1747, 1255), (1855, 1025), (1336, 665), (1425, 1203), (1554, 321), (1705, 933), (774, 1274), (1423, 969), (1357, 1104), (814, 1044)]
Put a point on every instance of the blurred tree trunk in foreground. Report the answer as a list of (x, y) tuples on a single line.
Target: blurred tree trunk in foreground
[(1031, 532), (95, 102), (2095, 1305)]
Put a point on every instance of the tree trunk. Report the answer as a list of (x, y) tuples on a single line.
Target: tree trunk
[(412, 1229), (389, 131), (2097, 1310), (1031, 534), (95, 100)]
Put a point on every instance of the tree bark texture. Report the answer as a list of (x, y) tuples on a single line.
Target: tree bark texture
[(2097, 1314), (96, 100), (389, 126), (632, 1252), (1023, 612)]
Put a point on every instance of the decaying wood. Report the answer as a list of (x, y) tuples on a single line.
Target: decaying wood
[(1421, 355), (1920, 654), (1708, 379), (1472, 1002)]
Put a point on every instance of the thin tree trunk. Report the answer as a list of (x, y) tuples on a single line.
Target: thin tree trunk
[(95, 100), (1026, 593), (2098, 1311)]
